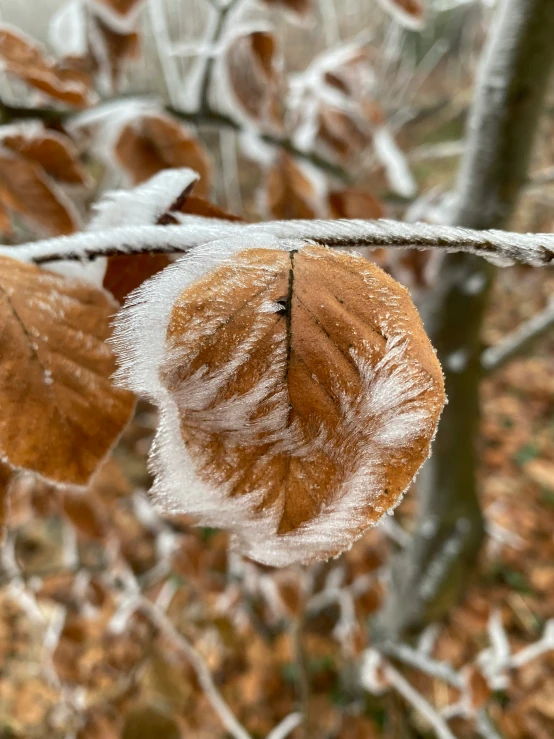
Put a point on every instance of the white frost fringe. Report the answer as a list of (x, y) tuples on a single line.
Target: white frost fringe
[(379, 425)]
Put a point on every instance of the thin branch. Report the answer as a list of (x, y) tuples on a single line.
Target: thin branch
[(413, 658), (519, 340), (417, 701), (284, 728), (203, 674), (206, 117), (498, 246)]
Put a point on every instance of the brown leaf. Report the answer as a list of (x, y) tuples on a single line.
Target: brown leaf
[(125, 272), (290, 193), (27, 60), (340, 132), (251, 65), (479, 689), (116, 50), (60, 411), (53, 151), (153, 143), (26, 189), (353, 203), (196, 206), (309, 395)]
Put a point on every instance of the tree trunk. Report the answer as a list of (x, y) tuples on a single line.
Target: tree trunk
[(431, 574)]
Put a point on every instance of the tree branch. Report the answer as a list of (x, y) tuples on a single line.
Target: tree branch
[(497, 246), (519, 340), (205, 117)]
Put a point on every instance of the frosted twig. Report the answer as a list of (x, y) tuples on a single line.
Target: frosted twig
[(417, 701), (228, 719), (423, 663), (501, 247), (544, 644), (284, 728), (163, 48), (519, 340)]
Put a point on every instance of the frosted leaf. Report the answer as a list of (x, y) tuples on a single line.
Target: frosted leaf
[(52, 150), (248, 75), (60, 412), (144, 204), (23, 57), (294, 189), (121, 16), (29, 191), (298, 392), (409, 13)]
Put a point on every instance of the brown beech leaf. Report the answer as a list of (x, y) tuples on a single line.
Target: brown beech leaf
[(53, 151), (196, 206), (26, 189), (24, 58), (60, 412), (290, 192), (110, 50), (153, 143), (409, 13), (345, 136), (479, 689), (125, 272), (353, 203), (252, 70), (298, 393)]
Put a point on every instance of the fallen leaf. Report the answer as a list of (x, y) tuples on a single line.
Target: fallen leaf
[(154, 143), (60, 412), (479, 689), (299, 394), (541, 471), (53, 151), (24, 58), (25, 188), (146, 722), (290, 192)]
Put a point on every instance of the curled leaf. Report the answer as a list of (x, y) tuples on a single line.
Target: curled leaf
[(60, 413), (53, 151), (291, 191), (252, 68), (24, 58), (25, 188), (298, 393), (156, 142)]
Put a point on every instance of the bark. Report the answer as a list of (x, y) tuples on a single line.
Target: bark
[(431, 574)]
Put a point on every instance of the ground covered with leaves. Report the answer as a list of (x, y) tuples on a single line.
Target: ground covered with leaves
[(84, 654)]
